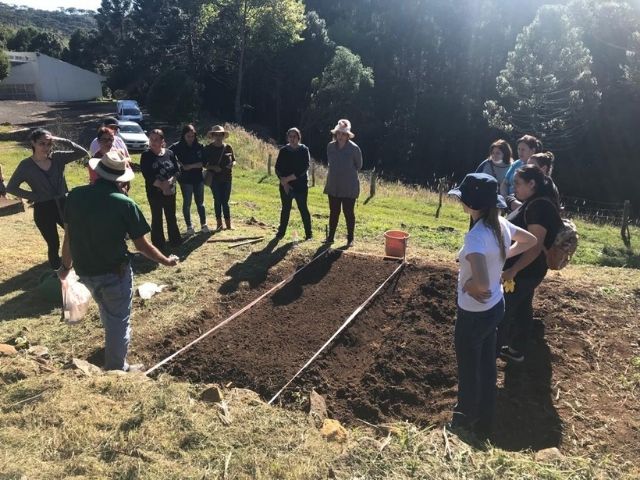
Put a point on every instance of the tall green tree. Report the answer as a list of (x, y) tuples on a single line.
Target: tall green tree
[(85, 50), (4, 65), (255, 30), (343, 90), (47, 43), (21, 39), (547, 87)]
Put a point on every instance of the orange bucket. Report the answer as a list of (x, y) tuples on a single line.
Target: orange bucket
[(395, 243)]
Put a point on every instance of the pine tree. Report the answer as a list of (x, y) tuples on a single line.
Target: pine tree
[(547, 87)]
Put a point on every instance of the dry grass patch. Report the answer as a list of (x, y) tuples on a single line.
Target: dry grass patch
[(64, 426)]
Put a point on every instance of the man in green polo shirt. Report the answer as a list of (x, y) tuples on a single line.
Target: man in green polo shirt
[(97, 219)]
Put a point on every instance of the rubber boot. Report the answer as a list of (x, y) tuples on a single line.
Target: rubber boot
[(218, 224), (227, 222)]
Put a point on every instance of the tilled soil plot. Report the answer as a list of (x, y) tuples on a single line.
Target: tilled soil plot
[(576, 389), (264, 347), (396, 360)]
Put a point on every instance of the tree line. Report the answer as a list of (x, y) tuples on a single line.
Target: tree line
[(427, 84)]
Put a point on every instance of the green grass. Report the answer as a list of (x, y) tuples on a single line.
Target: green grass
[(395, 206)]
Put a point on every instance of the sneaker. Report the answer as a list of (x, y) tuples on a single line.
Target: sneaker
[(349, 243), (204, 228), (508, 353), (190, 231), (308, 237)]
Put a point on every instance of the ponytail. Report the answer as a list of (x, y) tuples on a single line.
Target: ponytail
[(491, 218)]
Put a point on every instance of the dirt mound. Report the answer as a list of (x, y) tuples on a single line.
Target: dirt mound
[(396, 361)]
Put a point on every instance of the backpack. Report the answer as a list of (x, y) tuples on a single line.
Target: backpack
[(564, 244)]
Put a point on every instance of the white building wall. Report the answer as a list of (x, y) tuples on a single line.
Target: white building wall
[(53, 79), (59, 81)]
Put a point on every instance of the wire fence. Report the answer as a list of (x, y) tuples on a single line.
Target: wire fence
[(610, 213)]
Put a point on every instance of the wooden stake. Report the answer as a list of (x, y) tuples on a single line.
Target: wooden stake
[(372, 186), (624, 231), (440, 195), (246, 242)]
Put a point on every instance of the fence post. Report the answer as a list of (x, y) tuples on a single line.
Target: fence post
[(269, 165), (372, 186), (624, 231), (440, 195), (313, 173)]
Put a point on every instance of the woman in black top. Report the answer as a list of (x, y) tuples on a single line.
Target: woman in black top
[(291, 167), (189, 153), (539, 215), (218, 160), (43, 172), (160, 170)]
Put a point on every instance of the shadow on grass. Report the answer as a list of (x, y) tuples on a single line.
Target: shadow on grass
[(619, 257), (33, 301), (311, 275), (526, 417), (255, 268)]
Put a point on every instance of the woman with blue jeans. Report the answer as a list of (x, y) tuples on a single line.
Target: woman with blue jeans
[(189, 154), (218, 161), (481, 300)]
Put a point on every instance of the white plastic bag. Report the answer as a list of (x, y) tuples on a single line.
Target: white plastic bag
[(75, 298), (148, 290)]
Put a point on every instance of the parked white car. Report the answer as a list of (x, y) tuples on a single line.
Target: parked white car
[(135, 138)]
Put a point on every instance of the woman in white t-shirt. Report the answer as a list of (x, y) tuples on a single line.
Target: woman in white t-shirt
[(489, 242)]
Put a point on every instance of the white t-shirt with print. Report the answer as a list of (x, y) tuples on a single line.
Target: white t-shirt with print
[(480, 239)]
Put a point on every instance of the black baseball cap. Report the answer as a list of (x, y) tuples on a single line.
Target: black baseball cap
[(110, 122), (479, 191)]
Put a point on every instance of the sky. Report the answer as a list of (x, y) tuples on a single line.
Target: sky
[(54, 4)]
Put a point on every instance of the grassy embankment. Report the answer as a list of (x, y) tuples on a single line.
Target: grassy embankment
[(56, 425)]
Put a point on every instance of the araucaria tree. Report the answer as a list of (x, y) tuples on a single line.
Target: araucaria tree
[(547, 87)]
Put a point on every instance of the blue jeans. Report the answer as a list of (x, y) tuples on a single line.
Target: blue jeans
[(113, 292), (221, 194), (197, 192), (475, 342)]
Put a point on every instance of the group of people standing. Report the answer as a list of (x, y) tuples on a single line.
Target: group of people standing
[(100, 216), (191, 165), (515, 216), (513, 205)]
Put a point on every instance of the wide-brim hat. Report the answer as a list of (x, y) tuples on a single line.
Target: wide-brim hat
[(479, 191), (112, 166), (218, 129), (343, 126)]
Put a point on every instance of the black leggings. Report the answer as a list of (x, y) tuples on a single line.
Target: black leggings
[(348, 208), (161, 203), (48, 215), (300, 196)]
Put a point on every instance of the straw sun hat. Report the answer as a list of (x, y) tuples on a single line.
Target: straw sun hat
[(343, 126), (218, 129), (112, 166)]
